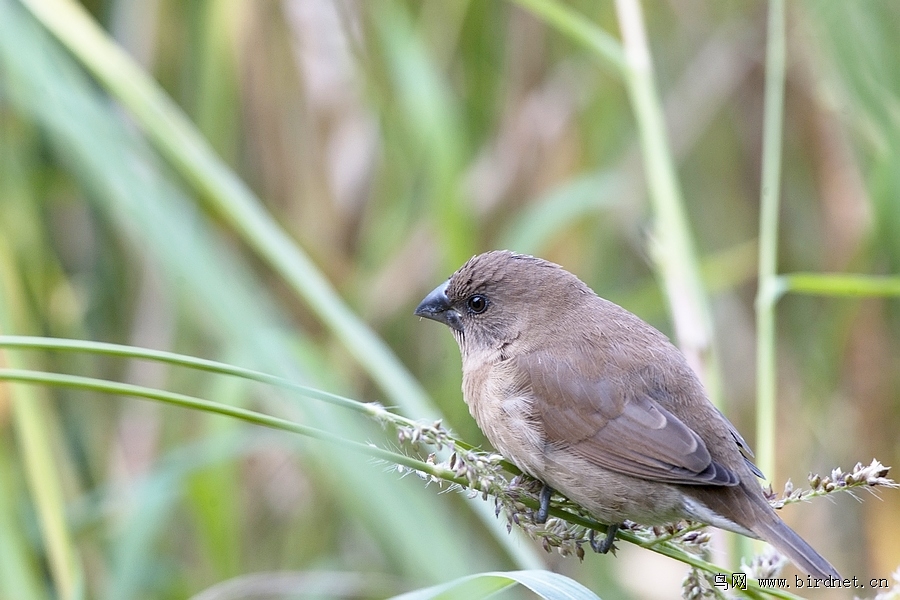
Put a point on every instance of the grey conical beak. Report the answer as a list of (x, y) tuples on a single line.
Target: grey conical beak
[(436, 306)]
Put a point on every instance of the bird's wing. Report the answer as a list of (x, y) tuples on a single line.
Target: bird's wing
[(624, 431)]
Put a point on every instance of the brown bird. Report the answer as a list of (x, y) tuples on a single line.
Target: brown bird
[(595, 403)]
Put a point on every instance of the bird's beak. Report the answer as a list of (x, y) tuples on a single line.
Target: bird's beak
[(436, 306)]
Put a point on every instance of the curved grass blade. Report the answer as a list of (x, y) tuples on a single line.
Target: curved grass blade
[(370, 409), (545, 584), (256, 418)]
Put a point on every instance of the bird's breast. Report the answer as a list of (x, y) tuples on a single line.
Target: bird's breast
[(503, 406)]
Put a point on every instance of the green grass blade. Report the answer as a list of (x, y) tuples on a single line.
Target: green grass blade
[(768, 240), (32, 422), (673, 250), (172, 358), (78, 382), (371, 410), (838, 284), (548, 585), (571, 202), (579, 29), (20, 572)]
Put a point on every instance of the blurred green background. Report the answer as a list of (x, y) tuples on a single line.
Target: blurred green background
[(391, 141)]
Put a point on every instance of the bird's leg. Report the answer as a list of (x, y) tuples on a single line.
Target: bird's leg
[(607, 544), (544, 509)]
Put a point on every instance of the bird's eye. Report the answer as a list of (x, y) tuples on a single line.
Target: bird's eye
[(477, 304)]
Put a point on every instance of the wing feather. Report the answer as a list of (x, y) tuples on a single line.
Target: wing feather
[(618, 427)]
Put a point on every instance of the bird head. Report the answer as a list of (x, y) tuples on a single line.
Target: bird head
[(497, 295)]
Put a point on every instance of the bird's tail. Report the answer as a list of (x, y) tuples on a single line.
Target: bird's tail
[(745, 506), (775, 531)]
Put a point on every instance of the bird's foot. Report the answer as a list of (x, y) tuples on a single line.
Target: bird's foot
[(543, 512), (608, 543)]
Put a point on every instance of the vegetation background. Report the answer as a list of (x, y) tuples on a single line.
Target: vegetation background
[(391, 140)]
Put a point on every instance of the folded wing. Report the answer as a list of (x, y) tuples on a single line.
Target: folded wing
[(617, 426)]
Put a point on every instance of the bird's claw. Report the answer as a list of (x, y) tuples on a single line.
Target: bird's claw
[(607, 543), (543, 512)]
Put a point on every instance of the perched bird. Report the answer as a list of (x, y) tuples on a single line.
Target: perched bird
[(597, 404)]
